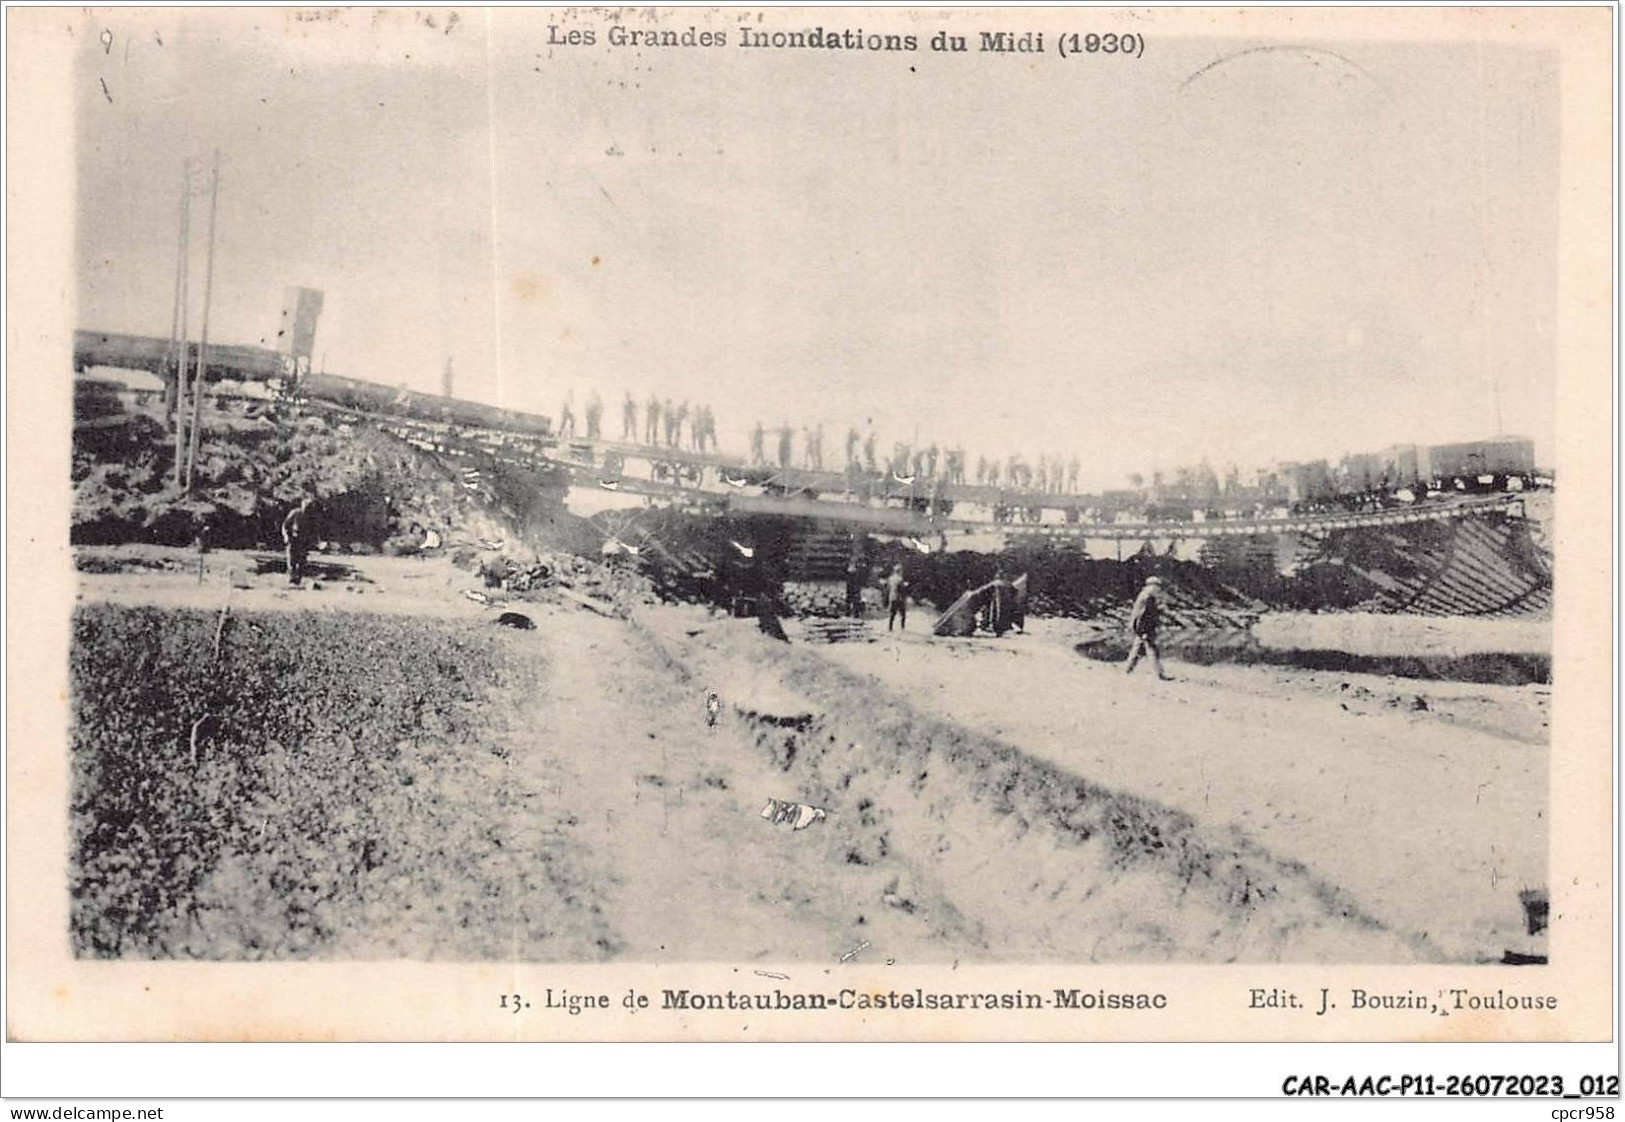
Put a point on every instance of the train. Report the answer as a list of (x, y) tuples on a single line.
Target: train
[(228, 362), (371, 397), (144, 352)]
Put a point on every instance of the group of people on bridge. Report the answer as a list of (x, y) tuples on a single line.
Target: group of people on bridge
[(1051, 476), (664, 423), (928, 464)]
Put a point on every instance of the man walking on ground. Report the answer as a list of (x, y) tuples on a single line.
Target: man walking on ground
[(299, 532), (897, 599), (1143, 621)]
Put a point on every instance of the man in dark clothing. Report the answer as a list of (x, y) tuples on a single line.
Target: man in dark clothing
[(629, 418), (299, 532), (897, 599), (1001, 605), (595, 413), (1143, 621), (651, 421)]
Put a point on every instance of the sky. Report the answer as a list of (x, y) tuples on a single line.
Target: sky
[(1227, 249)]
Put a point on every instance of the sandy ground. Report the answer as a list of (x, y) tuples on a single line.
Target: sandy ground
[(1368, 829), (1372, 634), (1432, 820), (421, 586)]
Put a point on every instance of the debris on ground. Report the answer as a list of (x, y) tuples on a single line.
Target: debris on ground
[(610, 588), (778, 812), (837, 631)]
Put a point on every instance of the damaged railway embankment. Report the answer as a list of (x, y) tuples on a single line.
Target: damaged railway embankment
[(1004, 852)]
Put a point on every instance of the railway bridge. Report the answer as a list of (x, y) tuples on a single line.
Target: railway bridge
[(711, 483)]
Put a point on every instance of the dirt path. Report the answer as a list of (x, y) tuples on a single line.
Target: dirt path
[(254, 580), (669, 809), (1432, 828)]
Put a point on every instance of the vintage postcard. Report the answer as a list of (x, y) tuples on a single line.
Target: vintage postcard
[(810, 524)]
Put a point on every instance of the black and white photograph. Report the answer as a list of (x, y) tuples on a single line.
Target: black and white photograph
[(800, 508)]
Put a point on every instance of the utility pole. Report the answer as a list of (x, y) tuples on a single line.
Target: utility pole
[(185, 351), (172, 383), (203, 344)]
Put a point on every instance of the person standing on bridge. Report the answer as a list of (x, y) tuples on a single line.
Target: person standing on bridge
[(651, 421), (677, 426), (786, 436), (1072, 475), (758, 438), (595, 415), (818, 447), (629, 418), (1144, 620), (567, 417), (869, 452), (299, 534), (668, 414), (851, 446)]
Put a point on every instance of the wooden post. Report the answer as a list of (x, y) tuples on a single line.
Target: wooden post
[(185, 353), (172, 383), (203, 344)]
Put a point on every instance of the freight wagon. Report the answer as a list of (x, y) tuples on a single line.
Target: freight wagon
[(260, 364), (145, 352), (371, 397)]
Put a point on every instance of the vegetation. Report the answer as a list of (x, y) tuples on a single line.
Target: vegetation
[(277, 798)]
